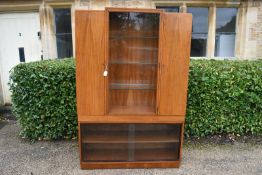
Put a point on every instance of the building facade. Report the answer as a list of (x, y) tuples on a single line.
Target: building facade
[(33, 30)]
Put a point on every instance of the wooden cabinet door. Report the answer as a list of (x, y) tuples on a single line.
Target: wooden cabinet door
[(174, 54), (90, 61)]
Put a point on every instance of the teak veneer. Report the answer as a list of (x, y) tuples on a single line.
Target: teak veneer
[(131, 81)]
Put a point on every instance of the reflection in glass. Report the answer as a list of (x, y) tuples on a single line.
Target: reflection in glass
[(226, 20), (63, 33), (169, 9), (130, 142), (133, 58), (225, 32), (199, 31), (125, 23)]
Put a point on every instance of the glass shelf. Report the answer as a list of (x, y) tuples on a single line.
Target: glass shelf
[(140, 138), (144, 48), (121, 61), (132, 86), (134, 32), (168, 152), (105, 152), (133, 37)]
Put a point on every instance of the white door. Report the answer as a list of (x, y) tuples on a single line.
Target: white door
[(19, 41)]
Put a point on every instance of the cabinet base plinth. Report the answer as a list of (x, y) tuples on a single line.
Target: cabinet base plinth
[(117, 165)]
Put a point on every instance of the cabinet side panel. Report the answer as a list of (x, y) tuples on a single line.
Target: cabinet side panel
[(174, 54), (90, 58)]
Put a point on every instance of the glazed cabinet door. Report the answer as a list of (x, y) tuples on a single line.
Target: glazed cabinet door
[(133, 62), (90, 62), (174, 54), (130, 142)]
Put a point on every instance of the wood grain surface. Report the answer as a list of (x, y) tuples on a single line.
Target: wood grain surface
[(174, 53), (90, 57), (148, 67)]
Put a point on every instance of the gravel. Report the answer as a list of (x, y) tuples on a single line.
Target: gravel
[(18, 156)]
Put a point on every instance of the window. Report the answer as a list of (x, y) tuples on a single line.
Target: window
[(63, 33), (225, 32), (169, 9), (199, 31)]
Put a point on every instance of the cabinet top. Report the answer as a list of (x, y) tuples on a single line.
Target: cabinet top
[(113, 9), (140, 10)]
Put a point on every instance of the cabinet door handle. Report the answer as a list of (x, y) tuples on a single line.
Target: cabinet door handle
[(105, 73)]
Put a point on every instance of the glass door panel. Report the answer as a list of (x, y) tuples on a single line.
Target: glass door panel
[(157, 142), (133, 60), (130, 142), (104, 142)]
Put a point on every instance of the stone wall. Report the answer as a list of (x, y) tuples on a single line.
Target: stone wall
[(253, 47), (249, 20), (249, 24)]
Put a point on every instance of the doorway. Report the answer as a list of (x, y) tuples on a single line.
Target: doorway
[(20, 42)]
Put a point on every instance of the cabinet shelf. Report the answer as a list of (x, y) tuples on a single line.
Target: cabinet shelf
[(105, 155), (132, 62), (150, 49), (156, 155), (132, 37), (106, 139), (123, 86)]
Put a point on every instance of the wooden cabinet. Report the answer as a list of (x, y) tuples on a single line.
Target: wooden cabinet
[(132, 74)]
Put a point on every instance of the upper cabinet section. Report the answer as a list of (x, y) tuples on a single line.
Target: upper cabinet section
[(132, 62), (174, 53)]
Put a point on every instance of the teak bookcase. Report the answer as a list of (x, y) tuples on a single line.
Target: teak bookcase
[(131, 76)]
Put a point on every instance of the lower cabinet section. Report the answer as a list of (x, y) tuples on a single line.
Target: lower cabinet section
[(130, 143)]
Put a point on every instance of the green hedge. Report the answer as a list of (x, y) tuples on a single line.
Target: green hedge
[(224, 97), (44, 99)]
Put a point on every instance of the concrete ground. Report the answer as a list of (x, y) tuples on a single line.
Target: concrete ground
[(61, 157)]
